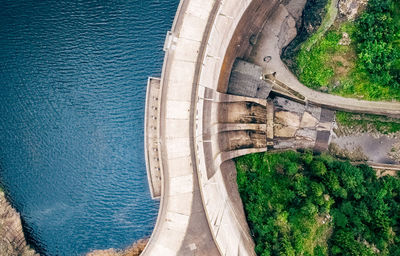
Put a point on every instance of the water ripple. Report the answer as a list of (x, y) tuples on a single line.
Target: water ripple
[(73, 77)]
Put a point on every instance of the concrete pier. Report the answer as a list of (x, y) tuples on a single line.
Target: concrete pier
[(151, 136)]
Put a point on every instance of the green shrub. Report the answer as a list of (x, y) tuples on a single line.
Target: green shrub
[(377, 42)]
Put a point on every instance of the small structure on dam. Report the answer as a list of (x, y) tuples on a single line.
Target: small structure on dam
[(152, 153)]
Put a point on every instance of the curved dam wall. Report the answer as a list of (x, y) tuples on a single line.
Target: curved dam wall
[(201, 212), (234, 26), (181, 227)]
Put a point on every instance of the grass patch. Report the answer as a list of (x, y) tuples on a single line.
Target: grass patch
[(306, 204), (368, 123)]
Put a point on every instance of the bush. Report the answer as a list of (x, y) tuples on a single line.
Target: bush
[(377, 42)]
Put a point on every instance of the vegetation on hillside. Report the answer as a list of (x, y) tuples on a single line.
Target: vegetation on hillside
[(305, 204), (330, 16), (368, 123), (366, 67)]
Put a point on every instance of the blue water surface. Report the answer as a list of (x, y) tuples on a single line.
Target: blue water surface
[(72, 90)]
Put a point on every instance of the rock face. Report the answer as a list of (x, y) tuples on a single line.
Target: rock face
[(291, 13), (349, 8), (288, 32), (295, 8), (135, 250), (12, 239), (309, 17)]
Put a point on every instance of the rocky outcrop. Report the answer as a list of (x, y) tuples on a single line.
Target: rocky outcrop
[(308, 15), (349, 9), (135, 250), (345, 40), (292, 11), (12, 238), (295, 8)]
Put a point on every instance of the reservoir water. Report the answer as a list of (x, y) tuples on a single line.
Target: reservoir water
[(72, 90)]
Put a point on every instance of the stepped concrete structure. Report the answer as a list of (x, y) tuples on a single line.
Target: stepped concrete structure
[(194, 128)]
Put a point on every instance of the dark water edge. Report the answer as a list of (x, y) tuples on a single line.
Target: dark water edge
[(312, 16), (72, 90)]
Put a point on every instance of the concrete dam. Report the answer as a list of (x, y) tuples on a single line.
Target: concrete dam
[(218, 99)]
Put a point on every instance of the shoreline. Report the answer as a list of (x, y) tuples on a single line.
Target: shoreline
[(13, 240), (134, 250)]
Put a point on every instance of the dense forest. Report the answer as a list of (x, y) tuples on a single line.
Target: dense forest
[(299, 203)]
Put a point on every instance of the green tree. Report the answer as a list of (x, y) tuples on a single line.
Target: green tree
[(318, 168)]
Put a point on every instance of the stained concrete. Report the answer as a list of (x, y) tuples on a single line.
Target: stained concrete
[(298, 125), (246, 80)]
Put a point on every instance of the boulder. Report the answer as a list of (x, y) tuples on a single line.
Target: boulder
[(349, 9), (345, 40)]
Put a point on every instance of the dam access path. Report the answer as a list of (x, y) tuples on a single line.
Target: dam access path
[(193, 128)]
